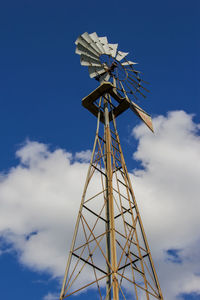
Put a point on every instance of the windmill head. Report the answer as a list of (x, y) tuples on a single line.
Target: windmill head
[(109, 65)]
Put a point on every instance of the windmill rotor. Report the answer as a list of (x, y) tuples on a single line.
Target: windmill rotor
[(108, 64)]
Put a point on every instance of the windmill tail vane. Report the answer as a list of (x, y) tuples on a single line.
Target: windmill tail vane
[(109, 254)]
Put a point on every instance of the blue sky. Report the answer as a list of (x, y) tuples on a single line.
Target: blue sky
[(42, 84)]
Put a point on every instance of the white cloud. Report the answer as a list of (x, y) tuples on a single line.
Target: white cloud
[(41, 196), (83, 156), (51, 296), (168, 194), (39, 201)]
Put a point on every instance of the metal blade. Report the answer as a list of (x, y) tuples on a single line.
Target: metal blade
[(96, 71), (90, 41), (88, 61), (103, 40), (121, 55), (128, 63), (105, 45), (82, 41), (82, 50), (95, 38), (145, 117), (113, 49), (104, 77)]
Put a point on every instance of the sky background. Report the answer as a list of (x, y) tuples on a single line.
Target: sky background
[(44, 129)]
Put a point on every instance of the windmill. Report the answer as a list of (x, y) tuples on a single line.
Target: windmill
[(109, 250)]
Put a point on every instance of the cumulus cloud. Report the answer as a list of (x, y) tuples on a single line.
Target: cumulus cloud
[(167, 189), (40, 197), (39, 201), (83, 156)]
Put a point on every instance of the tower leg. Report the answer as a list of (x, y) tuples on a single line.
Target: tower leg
[(108, 252), (62, 294), (109, 174)]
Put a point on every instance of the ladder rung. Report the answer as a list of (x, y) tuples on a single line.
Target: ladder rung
[(98, 170), (128, 209), (105, 142), (117, 158), (115, 148), (101, 139), (96, 160), (113, 132), (135, 268), (87, 262), (94, 213), (117, 169), (125, 211), (138, 258), (129, 225), (123, 183), (115, 140)]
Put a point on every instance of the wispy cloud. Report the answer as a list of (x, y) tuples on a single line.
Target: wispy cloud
[(51, 296)]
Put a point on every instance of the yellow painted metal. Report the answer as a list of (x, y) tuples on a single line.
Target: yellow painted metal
[(124, 250), (109, 173)]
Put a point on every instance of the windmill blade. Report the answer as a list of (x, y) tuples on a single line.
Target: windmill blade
[(104, 77), (82, 50), (145, 117), (95, 38), (121, 55), (90, 41), (82, 41), (96, 71), (113, 49), (88, 61), (129, 63), (105, 45)]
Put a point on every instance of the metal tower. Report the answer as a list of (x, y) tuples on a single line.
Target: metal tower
[(109, 250)]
